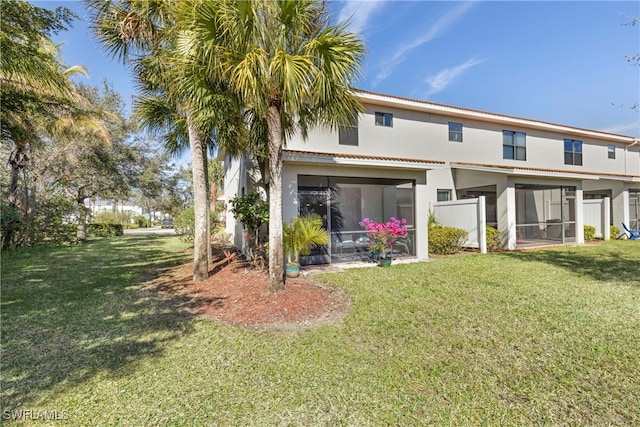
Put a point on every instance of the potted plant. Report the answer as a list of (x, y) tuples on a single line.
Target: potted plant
[(300, 236), (381, 236)]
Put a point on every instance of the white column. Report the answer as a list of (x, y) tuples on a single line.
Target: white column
[(422, 217), (579, 216), (482, 224), (606, 219)]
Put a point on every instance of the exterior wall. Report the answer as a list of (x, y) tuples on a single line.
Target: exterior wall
[(419, 135)]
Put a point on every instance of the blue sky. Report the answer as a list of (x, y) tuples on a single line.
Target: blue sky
[(561, 62)]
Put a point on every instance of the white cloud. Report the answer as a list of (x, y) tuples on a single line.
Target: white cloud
[(359, 13), (440, 26), (441, 80)]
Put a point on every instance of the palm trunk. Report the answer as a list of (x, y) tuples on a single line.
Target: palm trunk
[(200, 204), (276, 252), (81, 233), (205, 165)]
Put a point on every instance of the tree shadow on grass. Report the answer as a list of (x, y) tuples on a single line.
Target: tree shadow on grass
[(69, 314), (605, 263)]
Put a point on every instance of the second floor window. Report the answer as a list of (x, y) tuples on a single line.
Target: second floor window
[(348, 135), (611, 151), (384, 119), (455, 132), (572, 152), (514, 145)]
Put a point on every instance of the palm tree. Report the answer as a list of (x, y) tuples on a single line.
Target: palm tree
[(177, 101), (290, 66)]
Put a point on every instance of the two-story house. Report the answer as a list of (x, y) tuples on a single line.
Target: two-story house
[(403, 154)]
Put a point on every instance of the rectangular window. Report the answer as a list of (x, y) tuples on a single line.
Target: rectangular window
[(348, 135), (514, 145), (572, 152), (444, 195), (611, 151), (455, 132), (384, 119)]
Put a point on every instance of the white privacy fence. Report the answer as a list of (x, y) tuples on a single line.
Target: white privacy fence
[(467, 214), (597, 213)]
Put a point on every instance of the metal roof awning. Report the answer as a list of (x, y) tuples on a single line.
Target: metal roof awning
[(359, 160), (542, 172)]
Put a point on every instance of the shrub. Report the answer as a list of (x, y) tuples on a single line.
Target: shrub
[(97, 229), (250, 210), (494, 241), (222, 238), (185, 223), (141, 221), (111, 218), (589, 233), (446, 240), (614, 231)]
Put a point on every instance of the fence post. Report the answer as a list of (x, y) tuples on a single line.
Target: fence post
[(606, 218), (482, 224)]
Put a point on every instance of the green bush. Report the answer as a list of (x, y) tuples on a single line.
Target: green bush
[(614, 231), (10, 224), (446, 240), (111, 218), (494, 241), (589, 233), (141, 221), (184, 224), (104, 230)]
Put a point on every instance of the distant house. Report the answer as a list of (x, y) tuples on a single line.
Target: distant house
[(403, 155)]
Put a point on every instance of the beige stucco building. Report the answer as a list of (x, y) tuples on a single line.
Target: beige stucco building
[(404, 155)]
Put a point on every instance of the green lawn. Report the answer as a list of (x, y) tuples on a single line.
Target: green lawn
[(536, 338)]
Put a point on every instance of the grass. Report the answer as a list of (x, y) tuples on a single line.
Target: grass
[(529, 338)]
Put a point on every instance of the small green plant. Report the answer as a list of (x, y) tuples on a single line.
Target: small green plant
[(589, 233), (614, 232), (494, 241), (446, 240), (251, 211), (301, 235)]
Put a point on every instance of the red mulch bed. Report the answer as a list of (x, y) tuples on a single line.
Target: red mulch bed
[(237, 293)]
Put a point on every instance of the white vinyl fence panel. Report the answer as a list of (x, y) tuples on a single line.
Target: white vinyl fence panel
[(467, 214), (597, 214)]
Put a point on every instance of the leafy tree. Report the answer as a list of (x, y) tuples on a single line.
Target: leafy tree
[(39, 101), (81, 165), (290, 66)]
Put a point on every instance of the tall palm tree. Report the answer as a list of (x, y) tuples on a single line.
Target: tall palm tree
[(290, 66), (176, 101)]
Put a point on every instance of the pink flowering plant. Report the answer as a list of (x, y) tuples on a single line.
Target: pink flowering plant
[(382, 234)]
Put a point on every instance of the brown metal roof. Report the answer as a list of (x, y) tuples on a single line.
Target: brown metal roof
[(530, 169), (363, 157)]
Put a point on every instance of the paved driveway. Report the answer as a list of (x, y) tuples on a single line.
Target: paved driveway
[(150, 231)]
